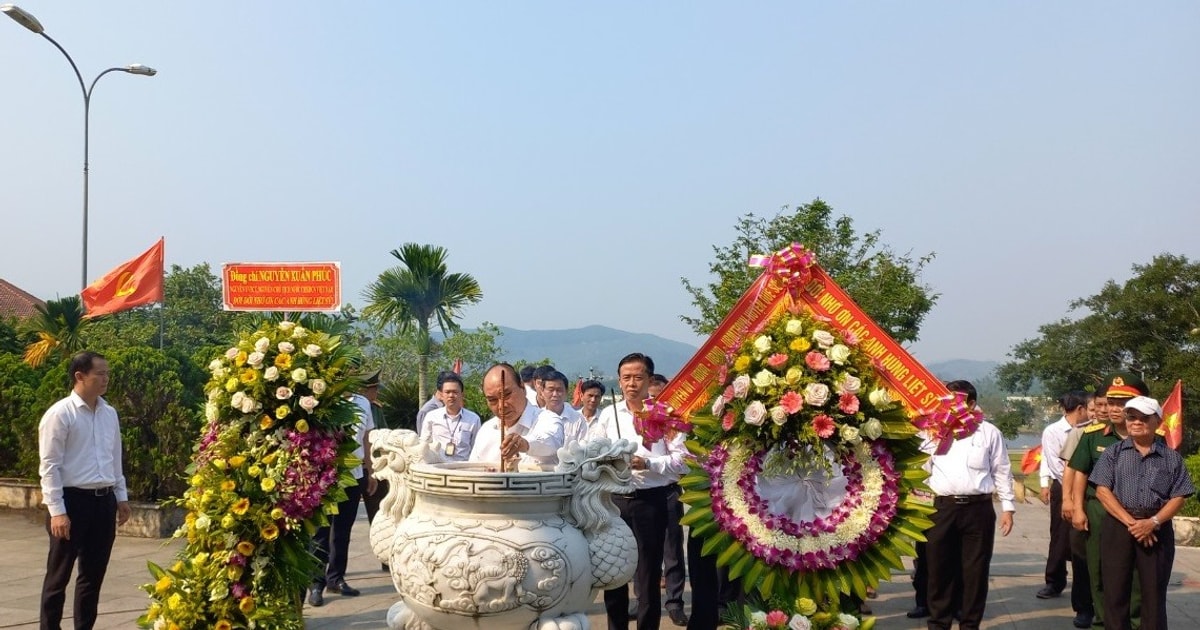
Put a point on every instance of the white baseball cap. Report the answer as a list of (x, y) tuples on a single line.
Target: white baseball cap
[(1146, 405)]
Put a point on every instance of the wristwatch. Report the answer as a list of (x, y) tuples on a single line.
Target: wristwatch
[(1154, 519)]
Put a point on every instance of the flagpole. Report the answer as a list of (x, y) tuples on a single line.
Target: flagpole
[(161, 325)]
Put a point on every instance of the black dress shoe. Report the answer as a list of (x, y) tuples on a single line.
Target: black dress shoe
[(918, 612), (342, 588), (1048, 592), (315, 598), (678, 617), (1082, 620)]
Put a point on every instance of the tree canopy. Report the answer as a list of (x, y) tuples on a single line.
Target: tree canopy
[(884, 283)]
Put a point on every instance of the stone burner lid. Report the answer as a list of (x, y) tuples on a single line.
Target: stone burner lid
[(477, 480)]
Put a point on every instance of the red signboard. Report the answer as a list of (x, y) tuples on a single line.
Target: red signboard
[(309, 286)]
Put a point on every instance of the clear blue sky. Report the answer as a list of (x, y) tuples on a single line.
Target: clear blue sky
[(579, 159)]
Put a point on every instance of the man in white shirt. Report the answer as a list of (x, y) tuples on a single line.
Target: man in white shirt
[(960, 543), (657, 468), (451, 429), (527, 382), (83, 487), (584, 425), (526, 439), (554, 393), (1074, 406)]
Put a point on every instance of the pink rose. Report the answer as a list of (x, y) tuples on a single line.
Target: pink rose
[(727, 421), (791, 402), (777, 360), (850, 338), (741, 385), (728, 395), (718, 406), (823, 425), (817, 361), (848, 403)]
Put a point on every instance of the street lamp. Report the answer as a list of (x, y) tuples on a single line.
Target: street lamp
[(26, 19)]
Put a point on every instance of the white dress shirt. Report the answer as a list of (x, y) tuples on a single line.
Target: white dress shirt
[(530, 395), (79, 448), (976, 464), (575, 427), (544, 437), (452, 436), (1053, 438), (366, 422), (665, 459)]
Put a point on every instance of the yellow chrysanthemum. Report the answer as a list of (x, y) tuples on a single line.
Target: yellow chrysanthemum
[(227, 521), (249, 375), (800, 345), (246, 605), (232, 384), (302, 426), (228, 485), (241, 506), (267, 484), (223, 625), (245, 547), (283, 361), (174, 601), (237, 460), (282, 411), (270, 532), (163, 584), (241, 357), (741, 364), (266, 422)]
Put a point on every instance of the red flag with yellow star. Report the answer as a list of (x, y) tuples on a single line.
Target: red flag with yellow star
[(1172, 420), (1032, 460)]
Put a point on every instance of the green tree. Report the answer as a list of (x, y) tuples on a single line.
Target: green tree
[(19, 415), (10, 335), (1147, 325), (58, 330), (885, 284), (416, 293)]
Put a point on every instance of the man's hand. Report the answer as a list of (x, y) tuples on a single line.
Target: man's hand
[(513, 446), (1046, 496), (1079, 520), (123, 512), (60, 527), (637, 463), (1142, 530), (1006, 523), (1068, 512)]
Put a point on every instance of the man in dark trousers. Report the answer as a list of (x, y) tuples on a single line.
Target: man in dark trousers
[(79, 444)]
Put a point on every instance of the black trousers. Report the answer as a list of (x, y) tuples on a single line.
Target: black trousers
[(1060, 541), (1081, 576), (1123, 554), (674, 567), (372, 500), (960, 555), (712, 590), (93, 529), (333, 541), (645, 512)]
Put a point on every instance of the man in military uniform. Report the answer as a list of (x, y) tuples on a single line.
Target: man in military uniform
[(1088, 513)]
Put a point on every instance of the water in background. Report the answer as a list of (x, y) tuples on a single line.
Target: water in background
[(1023, 441)]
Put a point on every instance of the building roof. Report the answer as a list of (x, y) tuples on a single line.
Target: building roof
[(17, 303)]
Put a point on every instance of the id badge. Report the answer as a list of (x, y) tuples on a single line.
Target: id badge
[(450, 450)]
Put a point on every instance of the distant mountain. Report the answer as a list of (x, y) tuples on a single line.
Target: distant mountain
[(964, 369), (575, 351)]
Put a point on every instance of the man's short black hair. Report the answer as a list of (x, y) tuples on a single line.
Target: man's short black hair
[(555, 375), (447, 376), (637, 357), (964, 387), (658, 379), (526, 374), (1074, 399), (593, 384), (82, 362), (542, 372)]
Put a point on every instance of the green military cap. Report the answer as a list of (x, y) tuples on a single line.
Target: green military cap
[(1126, 385)]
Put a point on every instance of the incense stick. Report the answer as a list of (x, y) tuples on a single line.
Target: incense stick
[(500, 415)]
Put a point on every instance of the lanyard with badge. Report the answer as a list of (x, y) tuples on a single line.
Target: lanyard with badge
[(453, 433)]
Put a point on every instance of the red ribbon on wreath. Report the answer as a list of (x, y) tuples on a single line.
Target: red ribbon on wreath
[(792, 264), (952, 419), (656, 419)]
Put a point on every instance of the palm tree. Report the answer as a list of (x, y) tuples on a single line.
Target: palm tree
[(416, 292), (58, 327)]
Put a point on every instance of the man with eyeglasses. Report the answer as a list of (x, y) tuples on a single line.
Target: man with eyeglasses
[(527, 441), (451, 429), (1142, 484)]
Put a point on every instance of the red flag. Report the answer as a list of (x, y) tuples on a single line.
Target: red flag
[(137, 282), (1032, 460), (457, 366), (1172, 420), (577, 397)]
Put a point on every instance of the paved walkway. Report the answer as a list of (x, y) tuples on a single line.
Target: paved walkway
[(1016, 575)]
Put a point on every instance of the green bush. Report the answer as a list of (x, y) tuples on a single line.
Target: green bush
[(1191, 507), (19, 416)]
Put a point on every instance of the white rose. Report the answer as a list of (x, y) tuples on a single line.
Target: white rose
[(799, 622), (779, 415), (741, 386), (849, 621), (816, 394), (202, 522), (210, 411), (231, 353), (286, 326), (283, 393), (271, 374), (286, 347), (308, 402), (794, 327), (880, 397), (298, 332), (823, 338), (220, 373), (214, 365), (248, 404), (850, 434), (762, 345), (236, 400), (755, 413), (255, 359), (718, 406), (764, 379), (839, 354), (758, 616), (312, 350), (299, 375), (318, 386), (872, 428), (261, 344), (849, 384)]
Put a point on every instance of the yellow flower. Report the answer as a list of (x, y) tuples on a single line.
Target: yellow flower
[(190, 518), (199, 559), (741, 364), (237, 460), (155, 608), (173, 626), (283, 361), (241, 506), (249, 375), (234, 572), (231, 385), (282, 412), (270, 532), (228, 485), (302, 426), (219, 463), (793, 375), (178, 566), (197, 480), (269, 458), (277, 513), (223, 625), (267, 484), (245, 547), (806, 606), (246, 605), (266, 422), (800, 344), (163, 584), (174, 601), (241, 357), (254, 471), (227, 521)]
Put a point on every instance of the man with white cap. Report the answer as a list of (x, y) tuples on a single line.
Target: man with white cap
[(1141, 484)]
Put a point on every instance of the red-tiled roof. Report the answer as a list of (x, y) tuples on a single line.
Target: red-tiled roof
[(17, 303)]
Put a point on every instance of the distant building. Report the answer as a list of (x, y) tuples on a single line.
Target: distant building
[(17, 303)]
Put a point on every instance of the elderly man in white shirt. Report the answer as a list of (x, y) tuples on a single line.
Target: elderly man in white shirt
[(534, 443)]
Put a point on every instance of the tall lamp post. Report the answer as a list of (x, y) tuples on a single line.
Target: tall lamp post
[(26, 19)]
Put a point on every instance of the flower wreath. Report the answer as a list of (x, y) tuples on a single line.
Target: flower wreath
[(807, 464), (272, 461)]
